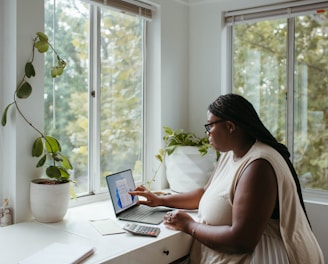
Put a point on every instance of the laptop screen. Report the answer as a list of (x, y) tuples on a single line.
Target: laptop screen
[(119, 184)]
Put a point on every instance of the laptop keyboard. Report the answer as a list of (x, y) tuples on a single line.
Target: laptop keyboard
[(138, 213)]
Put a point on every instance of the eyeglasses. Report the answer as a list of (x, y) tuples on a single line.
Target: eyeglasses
[(208, 127)]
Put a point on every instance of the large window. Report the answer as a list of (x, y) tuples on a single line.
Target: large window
[(96, 107), (280, 64)]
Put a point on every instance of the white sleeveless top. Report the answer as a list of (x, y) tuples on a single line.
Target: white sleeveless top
[(288, 240)]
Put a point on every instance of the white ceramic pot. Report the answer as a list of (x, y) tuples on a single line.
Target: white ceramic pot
[(49, 202), (187, 170)]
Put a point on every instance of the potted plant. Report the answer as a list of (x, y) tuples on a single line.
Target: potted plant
[(189, 160), (45, 147)]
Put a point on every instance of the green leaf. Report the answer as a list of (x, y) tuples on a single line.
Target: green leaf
[(203, 150), (66, 163), (60, 70), (52, 144), (29, 70), (4, 115), (37, 148), (170, 149), (24, 90), (174, 138), (63, 173), (42, 36), (54, 72), (158, 157), (42, 161), (53, 172), (167, 130), (42, 46), (57, 71)]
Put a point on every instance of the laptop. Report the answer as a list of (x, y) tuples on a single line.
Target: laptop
[(125, 205)]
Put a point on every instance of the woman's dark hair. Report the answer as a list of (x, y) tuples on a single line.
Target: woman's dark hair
[(237, 109)]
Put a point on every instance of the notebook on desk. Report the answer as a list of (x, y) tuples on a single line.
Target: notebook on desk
[(126, 206), (56, 253)]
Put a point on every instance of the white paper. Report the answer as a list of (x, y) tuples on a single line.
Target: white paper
[(61, 253), (107, 226)]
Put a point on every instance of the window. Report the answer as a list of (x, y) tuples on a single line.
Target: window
[(96, 107), (280, 60)]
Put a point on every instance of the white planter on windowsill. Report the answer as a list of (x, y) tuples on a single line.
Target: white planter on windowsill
[(49, 202), (187, 170)]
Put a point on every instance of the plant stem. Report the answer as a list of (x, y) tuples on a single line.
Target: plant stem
[(35, 128), (155, 174), (21, 113), (15, 99), (53, 49), (26, 120)]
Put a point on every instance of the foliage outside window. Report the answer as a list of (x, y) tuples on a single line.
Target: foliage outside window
[(97, 106), (260, 64)]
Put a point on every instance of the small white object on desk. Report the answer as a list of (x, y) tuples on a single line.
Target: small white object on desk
[(5, 214), (107, 226), (60, 253)]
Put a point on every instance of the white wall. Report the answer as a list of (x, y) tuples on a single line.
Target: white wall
[(167, 79), (204, 53), (175, 62), (318, 214), (22, 19), (173, 73)]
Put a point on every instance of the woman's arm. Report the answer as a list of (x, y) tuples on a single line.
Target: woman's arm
[(254, 201), (188, 200)]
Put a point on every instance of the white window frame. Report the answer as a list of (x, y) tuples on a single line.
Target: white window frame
[(96, 192), (284, 10)]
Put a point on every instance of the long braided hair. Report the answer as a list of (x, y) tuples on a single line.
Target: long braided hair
[(237, 109)]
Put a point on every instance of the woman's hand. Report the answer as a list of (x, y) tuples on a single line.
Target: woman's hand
[(179, 220), (151, 198)]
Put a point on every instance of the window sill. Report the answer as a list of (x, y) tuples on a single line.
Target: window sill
[(89, 199), (315, 196)]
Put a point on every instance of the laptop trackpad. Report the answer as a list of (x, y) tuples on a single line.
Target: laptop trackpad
[(156, 217)]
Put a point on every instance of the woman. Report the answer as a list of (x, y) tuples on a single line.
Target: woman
[(251, 210)]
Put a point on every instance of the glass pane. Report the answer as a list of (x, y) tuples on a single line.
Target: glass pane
[(121, 93), (259, 71), (66, 97), (311, 100)]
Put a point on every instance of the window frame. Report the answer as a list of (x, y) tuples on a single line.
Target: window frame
[(96, 191), (289, 11)]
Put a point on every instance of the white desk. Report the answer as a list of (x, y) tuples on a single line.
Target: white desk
[(22, 240)]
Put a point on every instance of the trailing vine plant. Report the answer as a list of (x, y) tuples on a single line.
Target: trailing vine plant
[(45, 146)]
